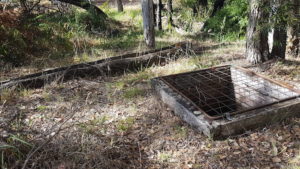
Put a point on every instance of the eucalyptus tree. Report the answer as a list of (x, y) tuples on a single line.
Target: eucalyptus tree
[(294, 28), (266, 15), (257, 48), (148, 22)]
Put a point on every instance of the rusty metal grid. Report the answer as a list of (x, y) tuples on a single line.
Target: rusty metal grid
[(228, 90)]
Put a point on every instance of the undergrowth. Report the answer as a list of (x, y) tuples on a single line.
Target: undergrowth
[(230, 22), (56, 39)]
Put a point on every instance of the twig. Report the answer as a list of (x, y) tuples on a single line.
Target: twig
[(87, 97), (34, 5), (140, 159), (33, 151), (2, 106)]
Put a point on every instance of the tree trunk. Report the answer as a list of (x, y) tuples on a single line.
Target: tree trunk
[(195, 10), (170, 12), (24, 6), (119, 5), (294, 29), (217, 6), (148, 22), (279, 42), (158, 15), (280, 29), (257, 48), (87, 6)]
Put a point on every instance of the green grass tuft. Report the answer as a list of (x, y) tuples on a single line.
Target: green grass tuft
[(126, 124), (133, 92)]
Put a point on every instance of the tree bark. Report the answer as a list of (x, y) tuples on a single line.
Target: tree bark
[(170, 12), (23, 6), (294, 29), (148, 22), (217, 6), (158, 15), (257, 48), (280, 29), (87, 6), (119, 5)]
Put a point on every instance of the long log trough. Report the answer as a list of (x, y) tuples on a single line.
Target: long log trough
[(111, 66)]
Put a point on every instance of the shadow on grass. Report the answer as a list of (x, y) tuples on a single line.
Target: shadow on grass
[(290, 62)]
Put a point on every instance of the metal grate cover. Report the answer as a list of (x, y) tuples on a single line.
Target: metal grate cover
[(228, 90)]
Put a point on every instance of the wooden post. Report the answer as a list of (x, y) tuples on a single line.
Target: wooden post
[(148, 22)]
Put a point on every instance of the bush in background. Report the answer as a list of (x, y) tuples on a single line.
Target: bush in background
[(44, 36), (231, 21)]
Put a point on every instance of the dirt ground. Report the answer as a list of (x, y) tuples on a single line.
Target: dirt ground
[(118, 122)]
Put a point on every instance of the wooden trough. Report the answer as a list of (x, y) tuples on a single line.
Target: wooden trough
[(227, 100), (111, 66)]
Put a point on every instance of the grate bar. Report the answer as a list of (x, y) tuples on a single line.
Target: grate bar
[(228, 90)]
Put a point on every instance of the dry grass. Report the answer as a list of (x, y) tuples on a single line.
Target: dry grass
[(88, 123)]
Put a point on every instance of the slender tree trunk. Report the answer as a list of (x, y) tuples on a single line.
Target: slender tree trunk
[(294, 29), (280, 29), (195, 10), (170, 12), (257, 48), (119, 5), (85, 4), (24, 6), (158, 15), (148, 22), (198, 5)]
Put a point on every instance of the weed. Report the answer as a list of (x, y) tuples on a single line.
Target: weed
[(7, 95), (133, 92), (138, 77), (164, 157), (46, 95), (99, 121), (95, 125), (126, 124), (181, 132), (204, 61), (25, 92), (119, 85), (42, 108), (130, 80), (132, 15), (13, 150)]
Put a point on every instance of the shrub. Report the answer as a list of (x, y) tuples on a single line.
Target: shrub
[(45, 36), (230, 20), (12, 45)]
